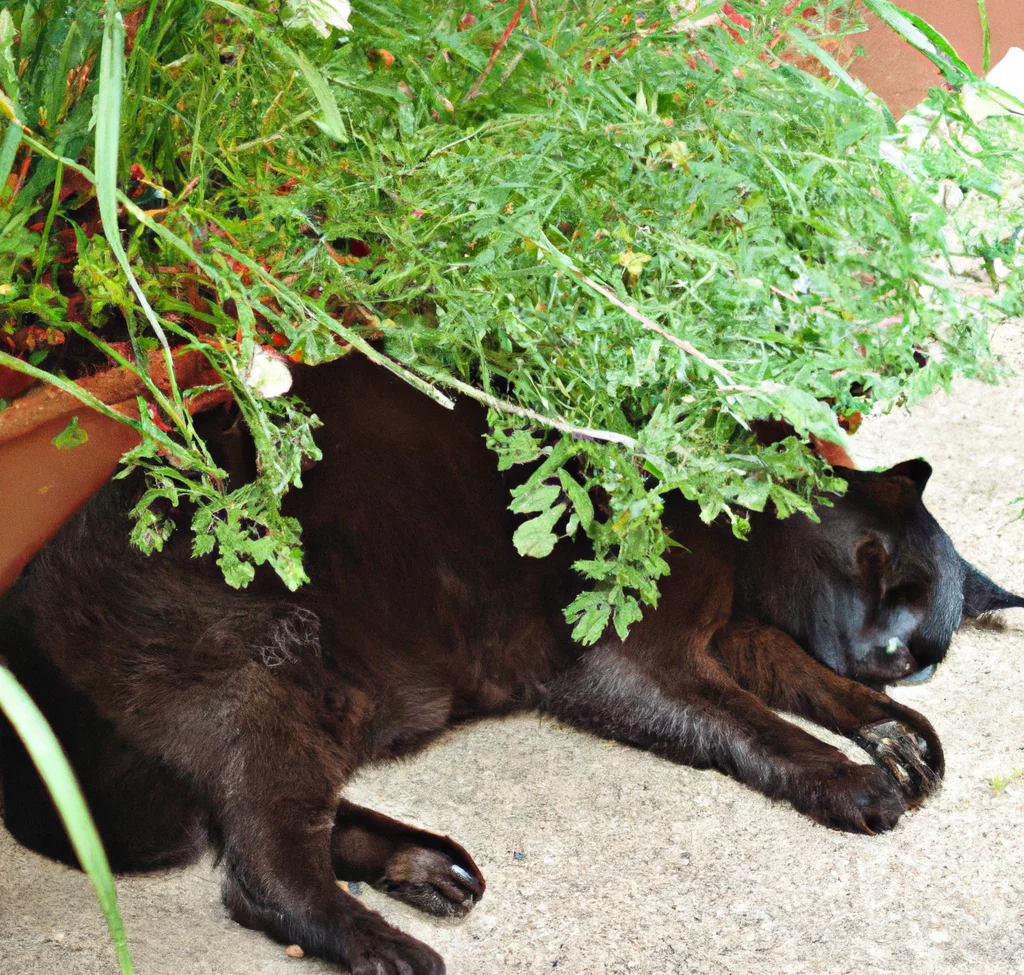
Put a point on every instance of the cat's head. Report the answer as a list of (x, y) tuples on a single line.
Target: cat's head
[(875, 590)]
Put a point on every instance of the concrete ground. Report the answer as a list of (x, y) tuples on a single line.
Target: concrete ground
[(605, 860)]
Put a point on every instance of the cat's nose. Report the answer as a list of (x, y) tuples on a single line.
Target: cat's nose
[(896, 659), (922, 676)]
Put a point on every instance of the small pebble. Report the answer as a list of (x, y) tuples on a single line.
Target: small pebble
[(294, 951)]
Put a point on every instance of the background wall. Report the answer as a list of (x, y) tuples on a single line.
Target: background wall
[(902, 76)]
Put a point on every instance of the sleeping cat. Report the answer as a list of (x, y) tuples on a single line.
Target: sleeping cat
[(195, 714)]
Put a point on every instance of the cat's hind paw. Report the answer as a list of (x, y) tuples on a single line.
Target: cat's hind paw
[(440, 879)]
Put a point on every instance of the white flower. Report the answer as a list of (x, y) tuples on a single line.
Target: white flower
[(268, 375), (1007, 75), (321, 15)]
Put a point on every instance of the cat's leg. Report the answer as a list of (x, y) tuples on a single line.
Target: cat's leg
[(699, 716), (768, 663), (429, 871), (251, 719)]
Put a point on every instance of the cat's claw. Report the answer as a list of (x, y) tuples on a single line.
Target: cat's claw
[(904, 755), (463, 875)]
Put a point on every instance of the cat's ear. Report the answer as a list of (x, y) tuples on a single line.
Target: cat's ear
[(917, 471), (982, 595)]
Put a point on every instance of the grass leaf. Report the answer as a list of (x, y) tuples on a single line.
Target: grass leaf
[(8, 149), (49, 759), (986, 38), (332, 123), (108, 131)]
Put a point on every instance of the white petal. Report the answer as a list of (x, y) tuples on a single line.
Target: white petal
[(333, 12), (1008, 75), (268, 376), (318, 14)]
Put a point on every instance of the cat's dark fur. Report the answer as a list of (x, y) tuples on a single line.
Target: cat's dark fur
[(196, 714)]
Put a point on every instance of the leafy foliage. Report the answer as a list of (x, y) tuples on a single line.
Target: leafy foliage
[(632, 242)]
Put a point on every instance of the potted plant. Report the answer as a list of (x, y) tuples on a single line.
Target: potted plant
[(637, 238)]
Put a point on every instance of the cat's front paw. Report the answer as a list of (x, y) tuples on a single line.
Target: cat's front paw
[(854, 798), (374, 947), (440, 879)]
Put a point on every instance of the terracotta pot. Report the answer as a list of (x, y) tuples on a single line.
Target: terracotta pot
[(42, 485)]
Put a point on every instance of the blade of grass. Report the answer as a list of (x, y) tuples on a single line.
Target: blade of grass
[(28, 31), (925, 38), (12, 139), (332, 123), (108, 131), (986, 38), (66, 386), (49, 759), (51, 213)]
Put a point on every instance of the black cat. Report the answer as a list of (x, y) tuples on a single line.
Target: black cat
[(196, 714)]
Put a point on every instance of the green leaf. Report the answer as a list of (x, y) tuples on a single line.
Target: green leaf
[(579, 497), (520, 447), (8, 150), (71, 436), (534, 497), (627, 613), (247, 15), (49, 759), (8, 68), (591, 611), (805, 412), (535, 537), (332, 123), (986, 37)]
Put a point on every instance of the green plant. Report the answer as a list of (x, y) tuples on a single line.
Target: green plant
[(1001, 780), (630, 242), (46, 752)]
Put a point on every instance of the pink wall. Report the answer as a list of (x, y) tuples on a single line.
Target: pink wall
[(902, 76)]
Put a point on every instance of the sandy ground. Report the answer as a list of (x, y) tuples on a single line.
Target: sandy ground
[(601, 859)]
